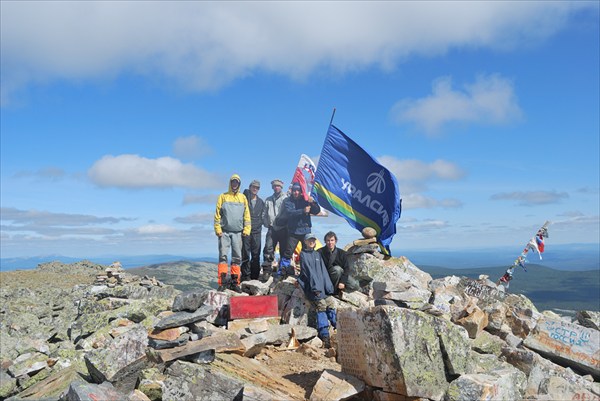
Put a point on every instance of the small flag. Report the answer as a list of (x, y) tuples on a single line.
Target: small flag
[(352, 184)]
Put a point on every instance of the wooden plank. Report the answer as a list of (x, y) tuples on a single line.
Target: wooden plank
[(220, 341), (253, 307)]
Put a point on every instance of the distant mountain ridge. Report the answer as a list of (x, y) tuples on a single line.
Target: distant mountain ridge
[(570, 257), (26, 263)]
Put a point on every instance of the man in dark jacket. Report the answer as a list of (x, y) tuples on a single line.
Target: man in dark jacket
[(298, 211), (251, 243), (316, 284), (336, 262)]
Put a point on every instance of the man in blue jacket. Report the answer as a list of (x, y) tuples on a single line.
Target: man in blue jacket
[(298, 211), (316, 284)]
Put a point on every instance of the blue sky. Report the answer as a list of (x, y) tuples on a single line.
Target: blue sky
[(121, 122)]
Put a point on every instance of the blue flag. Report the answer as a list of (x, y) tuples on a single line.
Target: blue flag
[(352, 184)]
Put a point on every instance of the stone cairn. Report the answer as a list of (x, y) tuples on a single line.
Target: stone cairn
[(402, 336)]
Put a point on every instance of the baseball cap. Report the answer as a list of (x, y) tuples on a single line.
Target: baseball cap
[(310, 236)]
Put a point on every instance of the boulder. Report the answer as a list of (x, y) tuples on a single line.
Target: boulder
[(504, 384), (82, 391), (8, 384), (567, 343), (189, 300), (182, 318), (392, 348), (336, 386), (276, 335), (256, 287), (590, 319), (191, 382), (121, 361), (487, 343), (474, 322)]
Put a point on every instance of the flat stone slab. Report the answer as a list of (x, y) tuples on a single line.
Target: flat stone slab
[(567, 343), (218, 341), (182, 318), (336, 386)]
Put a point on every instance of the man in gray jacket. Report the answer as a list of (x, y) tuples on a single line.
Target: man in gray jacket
[(277, 228)]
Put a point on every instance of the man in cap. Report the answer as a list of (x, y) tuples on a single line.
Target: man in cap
[(232, 221), (297, 211), (251, 243), (316, 284), (277, 227)]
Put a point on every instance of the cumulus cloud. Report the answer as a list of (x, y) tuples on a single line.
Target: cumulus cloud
[(531, 198), (205, 45), (415, 176), (190, 148), (417, 170), (490, 100), (133, 171)]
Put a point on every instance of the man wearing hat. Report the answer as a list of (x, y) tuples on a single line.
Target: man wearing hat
[(251, 243), (232, 221), (318, 288), (297, 211), (277, 228)]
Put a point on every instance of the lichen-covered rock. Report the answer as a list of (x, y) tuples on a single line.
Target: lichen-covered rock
[(392, 348), (191, 382), (487, 343), (504, 384), (189, 300), (121, 360), (8, 384), (82, 391)]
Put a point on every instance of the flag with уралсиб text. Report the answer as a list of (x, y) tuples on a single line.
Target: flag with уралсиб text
[(352, 184)]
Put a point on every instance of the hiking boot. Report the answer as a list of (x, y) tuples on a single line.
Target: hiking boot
[(224, 282), (326, 342), (233, 285), (264, 277)]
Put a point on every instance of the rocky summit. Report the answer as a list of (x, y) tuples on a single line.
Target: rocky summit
[(91, 332)]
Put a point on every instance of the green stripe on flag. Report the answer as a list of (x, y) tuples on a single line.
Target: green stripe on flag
[(345, 208)]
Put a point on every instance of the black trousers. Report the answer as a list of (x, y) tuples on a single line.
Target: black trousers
[(272, 239), (251, 256)]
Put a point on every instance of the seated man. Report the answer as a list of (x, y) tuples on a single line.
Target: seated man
[(317, 288), (336, 262)]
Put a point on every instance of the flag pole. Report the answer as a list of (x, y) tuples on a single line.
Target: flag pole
[(332, 114)]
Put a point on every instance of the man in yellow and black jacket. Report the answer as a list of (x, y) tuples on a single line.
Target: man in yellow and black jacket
[(232, 221)]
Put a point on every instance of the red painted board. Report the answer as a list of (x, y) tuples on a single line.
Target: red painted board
[(253, 306)]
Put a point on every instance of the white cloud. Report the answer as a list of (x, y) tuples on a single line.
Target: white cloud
[(190, 148), (198, 218), (418, 201), (44, 218), (205, 45), (153, 229), (417, 170), (414, 177), (490, 100), (133, 171), (531, 198)]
